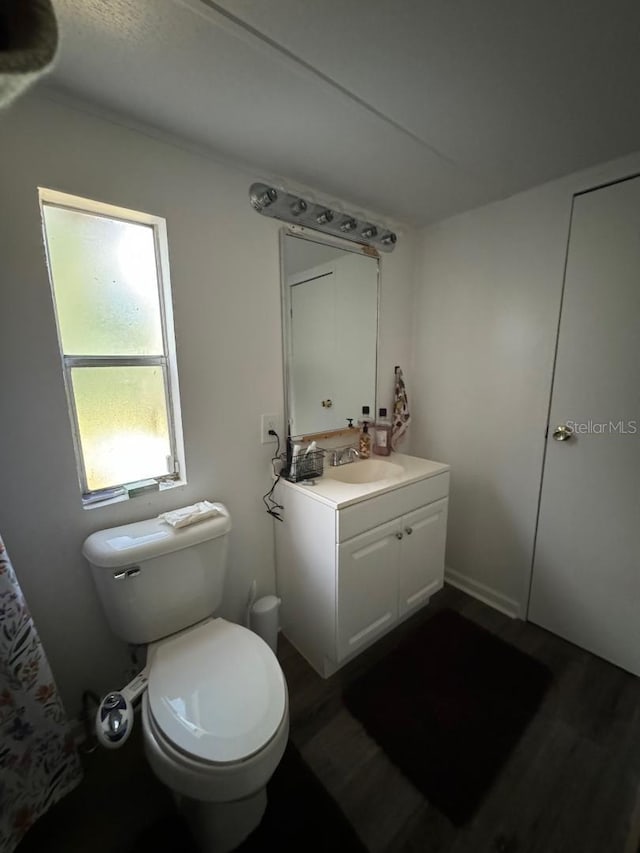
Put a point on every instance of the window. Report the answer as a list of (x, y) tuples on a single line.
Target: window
[(110, 281)]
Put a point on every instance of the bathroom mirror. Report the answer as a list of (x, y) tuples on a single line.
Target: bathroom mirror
[(330, 327)]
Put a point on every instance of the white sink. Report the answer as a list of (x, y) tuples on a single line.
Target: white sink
[(365, 471), (344, 485)]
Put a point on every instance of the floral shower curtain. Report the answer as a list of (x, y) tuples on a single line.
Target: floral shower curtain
[(38, 761)]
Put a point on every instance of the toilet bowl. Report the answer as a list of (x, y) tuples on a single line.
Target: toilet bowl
[(215, 714), (215, 723)]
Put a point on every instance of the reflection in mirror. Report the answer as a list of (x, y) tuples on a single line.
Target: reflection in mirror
[(330, 311)]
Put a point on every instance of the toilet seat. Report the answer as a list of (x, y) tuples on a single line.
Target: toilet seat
[(202, 780), (216, 692)]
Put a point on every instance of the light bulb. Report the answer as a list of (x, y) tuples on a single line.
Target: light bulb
[(264, 199), (325, 217)]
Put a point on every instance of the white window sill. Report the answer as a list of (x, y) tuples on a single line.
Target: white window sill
[(164, 487)]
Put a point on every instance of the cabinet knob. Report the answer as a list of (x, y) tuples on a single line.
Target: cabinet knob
[(408, 530), (399, 535)]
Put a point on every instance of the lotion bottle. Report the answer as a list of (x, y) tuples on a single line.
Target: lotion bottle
[(382, 434)]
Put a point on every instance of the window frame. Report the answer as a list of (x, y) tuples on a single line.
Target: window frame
[(167, 362)]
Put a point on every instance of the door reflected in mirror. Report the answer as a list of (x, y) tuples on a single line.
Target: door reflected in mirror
[(330, 312)]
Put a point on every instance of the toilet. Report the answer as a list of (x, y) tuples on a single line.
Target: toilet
[(215, 715)]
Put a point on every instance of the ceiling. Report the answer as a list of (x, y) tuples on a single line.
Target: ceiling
[(414, 109)]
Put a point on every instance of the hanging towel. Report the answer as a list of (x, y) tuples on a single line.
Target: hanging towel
[(191, 514), (401, 414)]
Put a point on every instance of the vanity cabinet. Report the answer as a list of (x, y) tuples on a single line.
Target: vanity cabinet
[(387, 573), (350, 567)]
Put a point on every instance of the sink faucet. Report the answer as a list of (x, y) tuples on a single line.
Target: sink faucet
[(343, 455), (351, 454)]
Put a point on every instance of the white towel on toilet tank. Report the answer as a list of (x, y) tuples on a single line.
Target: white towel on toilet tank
[(190, 514)]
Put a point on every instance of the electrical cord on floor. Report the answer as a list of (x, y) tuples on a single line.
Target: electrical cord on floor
[(274, 508)]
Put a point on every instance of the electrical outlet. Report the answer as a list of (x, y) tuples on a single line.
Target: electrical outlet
[(270, 422)]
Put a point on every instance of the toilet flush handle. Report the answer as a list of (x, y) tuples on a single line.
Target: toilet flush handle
[(123, 574)]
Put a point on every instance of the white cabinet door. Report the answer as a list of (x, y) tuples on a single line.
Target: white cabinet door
[(367, 586), (421, 567)]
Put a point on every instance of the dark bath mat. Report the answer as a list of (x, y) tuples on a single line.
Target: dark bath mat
[(448, 706), (300, 815)]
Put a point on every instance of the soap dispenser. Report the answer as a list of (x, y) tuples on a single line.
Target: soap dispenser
[(365, 418), (382, 434), (364, 444)]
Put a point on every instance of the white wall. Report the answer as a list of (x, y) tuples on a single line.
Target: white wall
[(226, 292), (488, 289)]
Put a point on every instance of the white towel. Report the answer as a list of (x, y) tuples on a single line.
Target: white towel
[(401, 413), (190, 514)]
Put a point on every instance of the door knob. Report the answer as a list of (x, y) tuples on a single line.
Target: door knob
[(562, 433), (408, 530)]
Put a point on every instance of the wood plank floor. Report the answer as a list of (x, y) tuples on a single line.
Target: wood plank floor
[(571, 785)]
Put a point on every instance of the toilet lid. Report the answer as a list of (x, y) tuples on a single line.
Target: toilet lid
[(216, 691)]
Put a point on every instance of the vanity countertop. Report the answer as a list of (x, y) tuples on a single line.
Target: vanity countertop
[(339, 495)]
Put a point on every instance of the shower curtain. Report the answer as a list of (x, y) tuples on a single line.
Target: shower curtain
[(38, 760)]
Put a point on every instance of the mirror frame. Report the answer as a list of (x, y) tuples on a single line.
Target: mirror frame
[(300, 233)]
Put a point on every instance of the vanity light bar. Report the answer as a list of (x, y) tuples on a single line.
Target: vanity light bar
[(291, 208)]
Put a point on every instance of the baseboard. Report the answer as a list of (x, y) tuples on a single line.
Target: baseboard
[(482, 592)]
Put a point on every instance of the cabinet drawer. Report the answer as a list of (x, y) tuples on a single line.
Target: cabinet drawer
[(370, 513)]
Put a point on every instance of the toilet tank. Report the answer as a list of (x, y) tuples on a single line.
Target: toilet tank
[(154, 580)]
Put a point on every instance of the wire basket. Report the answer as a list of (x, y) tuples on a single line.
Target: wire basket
[(306, 466)]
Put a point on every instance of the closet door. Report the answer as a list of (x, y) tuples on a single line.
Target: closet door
[(586, 578), (312, 355)]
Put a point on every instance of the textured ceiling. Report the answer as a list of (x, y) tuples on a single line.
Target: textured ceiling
[(415, 109)]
